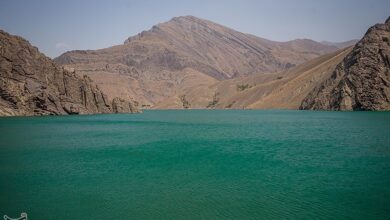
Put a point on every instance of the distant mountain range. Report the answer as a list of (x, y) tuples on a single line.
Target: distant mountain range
[(163, 64), (189, 62), (341, 44)]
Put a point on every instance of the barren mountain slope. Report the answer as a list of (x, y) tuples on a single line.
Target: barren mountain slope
[(284, 90), (362, 80), (186, 52)]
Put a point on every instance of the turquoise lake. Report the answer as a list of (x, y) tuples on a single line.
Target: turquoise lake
[(197, 164)]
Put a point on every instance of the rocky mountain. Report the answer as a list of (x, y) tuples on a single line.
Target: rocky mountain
[(159, 66), (362, 80), (32, 84)]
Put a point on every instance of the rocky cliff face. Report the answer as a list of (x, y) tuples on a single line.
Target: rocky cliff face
[(362, 80), (32, 84)]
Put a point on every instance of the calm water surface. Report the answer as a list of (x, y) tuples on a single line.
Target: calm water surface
[(197, 164)]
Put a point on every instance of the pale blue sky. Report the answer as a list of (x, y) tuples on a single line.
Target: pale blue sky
[(56, 26)]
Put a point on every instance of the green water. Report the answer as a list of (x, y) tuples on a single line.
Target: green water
[(197, 164)]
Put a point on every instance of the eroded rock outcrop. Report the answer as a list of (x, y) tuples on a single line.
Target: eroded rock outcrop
[(121, 106), (362, 80), (32, 84)]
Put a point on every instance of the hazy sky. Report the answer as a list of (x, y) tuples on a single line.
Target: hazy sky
[(55, 26)]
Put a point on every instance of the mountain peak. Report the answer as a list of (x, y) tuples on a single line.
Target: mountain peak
[(186, 18), (178, 22)]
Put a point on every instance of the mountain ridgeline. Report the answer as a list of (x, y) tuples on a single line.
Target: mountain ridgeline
[(205, 46), (32, 84)]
